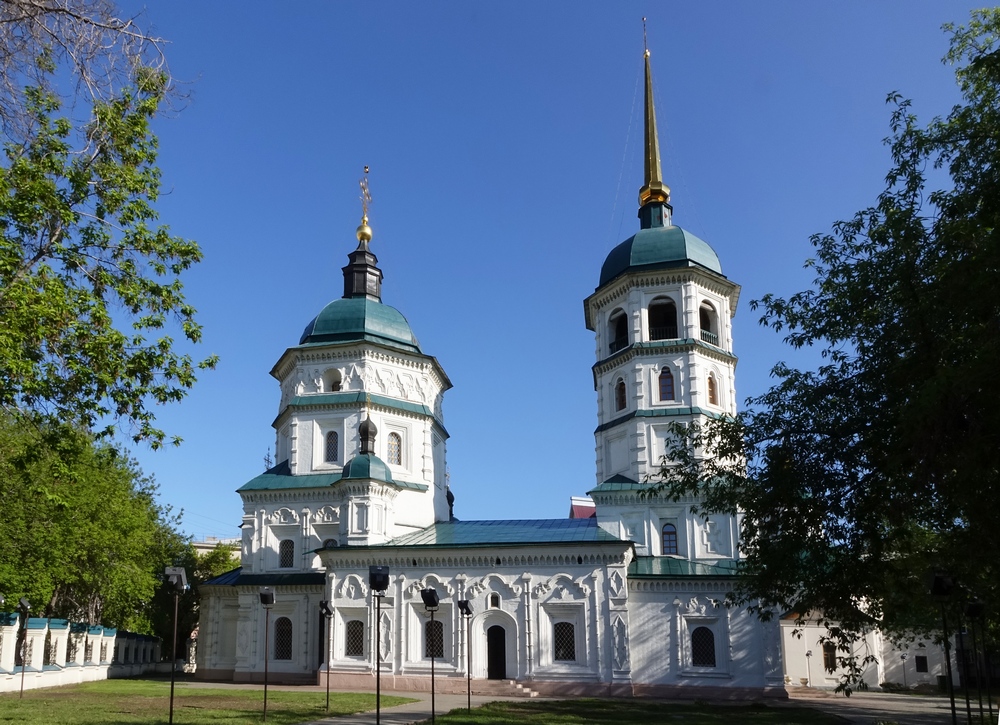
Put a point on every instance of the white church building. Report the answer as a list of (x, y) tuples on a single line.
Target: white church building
[(628, 601)]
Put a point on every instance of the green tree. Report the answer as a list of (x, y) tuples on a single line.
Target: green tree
[(857, 478), (83, 536), (90, 284)]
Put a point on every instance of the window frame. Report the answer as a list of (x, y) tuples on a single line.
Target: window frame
[(290, 549), (666, 374), (335, 436), (278, 624), (348, 651), (397, 459), (663, 539), (620, 395)]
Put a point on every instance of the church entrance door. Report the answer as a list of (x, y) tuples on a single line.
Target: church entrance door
[(496, 653)]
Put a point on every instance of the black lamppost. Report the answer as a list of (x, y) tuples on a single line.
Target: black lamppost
[(267, 601), (903, 657), (941, 586), (25, 606), (378, 581), (177, 578), (431, 601), (809, 669), (466, 609), (324, 608)]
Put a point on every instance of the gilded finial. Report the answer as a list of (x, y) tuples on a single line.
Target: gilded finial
[(653, 190), (364, 232)]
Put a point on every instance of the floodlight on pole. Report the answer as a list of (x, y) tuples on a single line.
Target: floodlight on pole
[(324, 609), (431, 602), (266, 601), (378, 580), (177, 578), (466, 609)]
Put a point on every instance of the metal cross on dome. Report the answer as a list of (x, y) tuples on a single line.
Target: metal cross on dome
[(366, 196)]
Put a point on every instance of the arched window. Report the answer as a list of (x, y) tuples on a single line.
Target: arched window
[(709, 328), (434, 639), (564, 642), (354, 640), (669, 539), (331, 381), (494, 601), (662, 319), (829, 657), (666, 384), (395, 449), (332, 447), (703, 647), (282, 638), (330, 544), (713, 390), (620, 400), (617, 331), (286, 554)]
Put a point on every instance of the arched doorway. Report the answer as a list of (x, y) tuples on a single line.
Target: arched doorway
[(496, 653)]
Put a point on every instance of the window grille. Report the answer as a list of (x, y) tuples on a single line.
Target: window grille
[(330, 544), (620, 395), (395, 449), (283, 638), (286, 554), (104, 652), (666, 385), (703, 647), (354, 643), (88, 652), (669, 539), (71, 649), (829, 657), (26, 657), (47, 649), (332, 447), (564, 642), (434, 639)]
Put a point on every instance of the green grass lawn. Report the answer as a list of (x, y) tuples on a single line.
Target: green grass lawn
[(145, 702), (633, 712)]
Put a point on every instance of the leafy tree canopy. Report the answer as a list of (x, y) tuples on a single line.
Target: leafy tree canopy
[(859, 477), (90, 285)]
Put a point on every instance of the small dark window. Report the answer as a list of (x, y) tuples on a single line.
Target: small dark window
[(706, 318), (330, 544), (494, 601), (564, 642), (703, 647), (666, 384), (920, 661), (395, 449), (713, 390), (434, 639), (332, 447), (829, 657), (286, 554), (618, 327), (620, 400), (354, 643), (283, 638), (662, 320), (669, 539)]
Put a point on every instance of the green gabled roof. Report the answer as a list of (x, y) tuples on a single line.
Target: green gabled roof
[(280, 477), (291, 579), (507, 533), (659, 248), (618, 482), (667, 567)]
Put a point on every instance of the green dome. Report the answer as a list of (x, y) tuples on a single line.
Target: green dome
[(358, 318), (367, 465), (659, 248)]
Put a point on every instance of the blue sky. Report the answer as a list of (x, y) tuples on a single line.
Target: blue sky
[(504, 143)]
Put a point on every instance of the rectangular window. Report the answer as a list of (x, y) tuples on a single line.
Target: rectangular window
[(921, 662), (564, 642), (434, 639), (354, 645)]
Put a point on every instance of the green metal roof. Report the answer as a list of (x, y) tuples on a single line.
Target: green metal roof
[(666, 567), (659, 248), (227, 579), (348, 398), (367, 465), (291, 579), (280, 477), (358, 318), (656, 413), (618, 482), (507, 533)]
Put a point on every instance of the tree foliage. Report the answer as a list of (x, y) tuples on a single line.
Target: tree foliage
[(857, 478), (90, 284), (83, 536)]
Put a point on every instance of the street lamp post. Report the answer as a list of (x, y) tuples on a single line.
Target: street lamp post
[(378, 581), (25, 608), (267, 601), (431, 601), (466, 609), (324, 608), (177, 578), (903, 657), (809, 670)]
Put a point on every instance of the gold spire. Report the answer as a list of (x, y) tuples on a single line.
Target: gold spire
[(653, 190), (364, 232)]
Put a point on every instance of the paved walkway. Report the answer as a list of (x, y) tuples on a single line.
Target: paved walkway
[(412, 712)]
